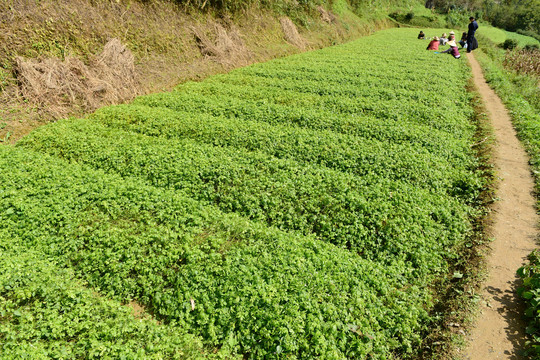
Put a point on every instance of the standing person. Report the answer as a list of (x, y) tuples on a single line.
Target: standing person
[(472, 43)]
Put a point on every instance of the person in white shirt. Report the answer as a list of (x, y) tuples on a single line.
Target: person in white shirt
[(443, 39)]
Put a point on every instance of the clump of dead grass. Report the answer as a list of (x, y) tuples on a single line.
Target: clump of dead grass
[(60, 86), (225, 46), (291, 34), (326, 16)]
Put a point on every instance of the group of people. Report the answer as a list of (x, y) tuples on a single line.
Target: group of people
[(468, 41), (445, 40)]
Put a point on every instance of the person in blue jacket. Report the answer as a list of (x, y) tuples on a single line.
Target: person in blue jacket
[(472, 43)]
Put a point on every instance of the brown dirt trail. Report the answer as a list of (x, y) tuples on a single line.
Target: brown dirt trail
[(499, 332)]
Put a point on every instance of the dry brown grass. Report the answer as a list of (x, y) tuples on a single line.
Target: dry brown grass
[(222, 45), (524, 61), (290, 33), (59, 86), (326, 16)]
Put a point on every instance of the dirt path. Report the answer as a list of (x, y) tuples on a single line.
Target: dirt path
[(499, 331)]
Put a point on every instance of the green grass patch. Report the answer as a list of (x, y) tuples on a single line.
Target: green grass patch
[(498, 36)]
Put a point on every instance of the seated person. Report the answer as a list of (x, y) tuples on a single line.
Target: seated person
[(463, 41), (443, 40), (433, 44), (453, 50), (421, 36)]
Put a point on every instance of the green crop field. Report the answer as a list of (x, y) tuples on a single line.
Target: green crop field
[(306, 207)]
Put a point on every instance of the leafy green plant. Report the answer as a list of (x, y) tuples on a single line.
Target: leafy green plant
[(237, 284), (530, 292), (509, 44), (47, 312)]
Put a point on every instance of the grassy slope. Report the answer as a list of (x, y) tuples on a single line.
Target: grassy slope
[(498, 36)]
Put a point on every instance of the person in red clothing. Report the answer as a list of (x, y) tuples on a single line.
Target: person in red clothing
[(433, 44), (453, 50)]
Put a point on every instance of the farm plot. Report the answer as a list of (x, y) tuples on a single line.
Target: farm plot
[(253, 288), (302, 208)]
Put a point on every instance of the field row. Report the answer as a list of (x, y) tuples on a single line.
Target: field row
[(365, 214)]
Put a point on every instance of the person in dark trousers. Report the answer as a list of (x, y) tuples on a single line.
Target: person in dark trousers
[(472, 43), (421, 36)]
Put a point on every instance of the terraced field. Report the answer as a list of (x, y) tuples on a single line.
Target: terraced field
[(300, 208)]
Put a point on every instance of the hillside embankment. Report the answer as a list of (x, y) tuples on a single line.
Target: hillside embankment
[(67, 58)]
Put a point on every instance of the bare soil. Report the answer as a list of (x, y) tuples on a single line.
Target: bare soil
[(499, 332)]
